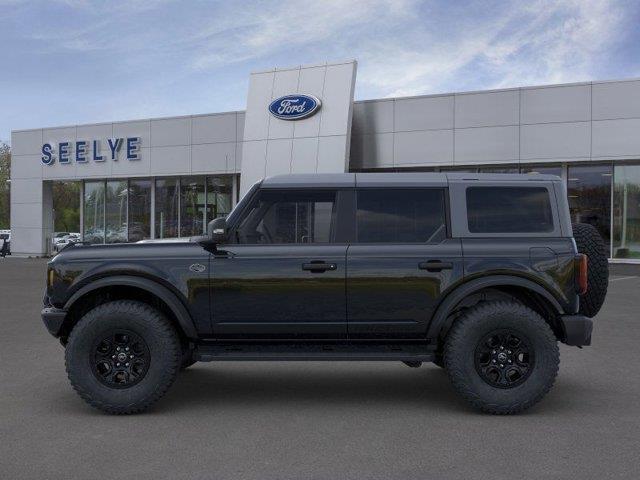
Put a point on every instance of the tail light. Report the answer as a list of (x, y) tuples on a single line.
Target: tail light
[(582, 273)]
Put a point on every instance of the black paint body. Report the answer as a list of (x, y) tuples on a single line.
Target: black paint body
[(373, 292)]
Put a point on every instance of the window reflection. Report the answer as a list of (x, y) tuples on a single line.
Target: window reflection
[(116, 211), (167, 197), (93, 231), (192, 206), (139, 210), (542, 169), (626, 211), (499, 169), (219, 196), (589, 189)]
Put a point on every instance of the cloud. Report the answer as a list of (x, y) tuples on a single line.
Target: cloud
[(547, 42), (277, 27)]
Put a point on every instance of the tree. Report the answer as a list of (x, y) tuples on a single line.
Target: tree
[(66, 206), (5, 190)]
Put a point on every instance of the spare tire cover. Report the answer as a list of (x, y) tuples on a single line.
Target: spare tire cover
[(589, 242)]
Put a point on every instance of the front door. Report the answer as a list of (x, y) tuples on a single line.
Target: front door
[(401, 262), (282, 274)]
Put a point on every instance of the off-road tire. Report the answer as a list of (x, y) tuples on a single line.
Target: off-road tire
[(147, 323), (438, 360), (589, 242), (469, 331)]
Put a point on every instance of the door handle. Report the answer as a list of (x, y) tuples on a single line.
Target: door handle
[(435, 266), (319, 266)]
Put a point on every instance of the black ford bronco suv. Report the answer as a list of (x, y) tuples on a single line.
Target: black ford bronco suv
[(480, 274)]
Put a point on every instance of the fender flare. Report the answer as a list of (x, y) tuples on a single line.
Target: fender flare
[(439, 319), (167, 296)]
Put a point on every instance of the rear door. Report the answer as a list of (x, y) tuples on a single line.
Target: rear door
[(401, 261)]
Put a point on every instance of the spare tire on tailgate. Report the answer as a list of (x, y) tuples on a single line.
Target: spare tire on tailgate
[(589, 242)]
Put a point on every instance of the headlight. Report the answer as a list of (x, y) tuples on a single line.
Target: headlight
[(51, 276)]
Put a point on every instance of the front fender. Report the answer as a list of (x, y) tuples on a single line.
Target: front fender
[(154, 288)]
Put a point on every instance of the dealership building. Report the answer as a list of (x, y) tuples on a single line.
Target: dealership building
[(167, 177)]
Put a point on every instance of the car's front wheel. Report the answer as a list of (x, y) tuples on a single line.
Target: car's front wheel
[(122, 356), (502, 357)]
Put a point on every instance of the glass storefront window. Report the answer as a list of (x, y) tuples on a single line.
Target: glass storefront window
[(139, 210), (542, 169), (499, 169), (166, 208), (219, 196), (192, 206), (93, 212), (589, 189), (459, 169), (66, 206), (626, 211), (116, 211)]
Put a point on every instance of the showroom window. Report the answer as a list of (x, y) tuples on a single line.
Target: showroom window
[(589, 190), (401, 216), (116, 211), (542, 169), (93, 220), (166, 208), (139, 225), (626, 211), (192, 206), (499, 169), (219, 196)]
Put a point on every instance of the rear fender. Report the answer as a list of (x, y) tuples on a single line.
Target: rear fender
[(441, 322)]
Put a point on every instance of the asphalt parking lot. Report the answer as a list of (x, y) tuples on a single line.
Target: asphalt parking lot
[(317, 420)]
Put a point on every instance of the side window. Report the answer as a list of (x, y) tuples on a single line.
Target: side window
[(389, 215), (289, 217), (509, 210)]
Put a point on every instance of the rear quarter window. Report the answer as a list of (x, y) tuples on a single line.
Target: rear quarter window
[(509, 210)]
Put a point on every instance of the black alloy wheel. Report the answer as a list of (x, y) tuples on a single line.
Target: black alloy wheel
[(120, 359), (504, 358)]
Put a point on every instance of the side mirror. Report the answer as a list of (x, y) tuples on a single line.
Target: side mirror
[(217, 230)]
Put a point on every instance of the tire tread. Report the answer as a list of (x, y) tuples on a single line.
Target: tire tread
[(164, 328), (458, 336)]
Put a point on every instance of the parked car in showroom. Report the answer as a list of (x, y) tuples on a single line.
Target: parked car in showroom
[(65, 240), (480, 274)]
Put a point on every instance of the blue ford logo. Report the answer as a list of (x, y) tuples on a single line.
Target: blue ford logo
[(294, 107)]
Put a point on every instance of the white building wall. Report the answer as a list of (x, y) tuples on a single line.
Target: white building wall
[(187, 145), (583, 122), (319, 143)]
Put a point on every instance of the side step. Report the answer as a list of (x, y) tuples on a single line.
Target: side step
[(314, 352)]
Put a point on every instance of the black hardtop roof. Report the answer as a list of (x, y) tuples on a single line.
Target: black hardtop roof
[(393, 179)]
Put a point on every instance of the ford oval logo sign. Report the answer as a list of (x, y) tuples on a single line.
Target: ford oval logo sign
[(294, 107)]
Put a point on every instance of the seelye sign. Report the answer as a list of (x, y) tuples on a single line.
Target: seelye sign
[(82, 151), (294, 107)]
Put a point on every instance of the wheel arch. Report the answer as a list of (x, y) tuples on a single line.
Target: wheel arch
[(525, 290), (127, 286)]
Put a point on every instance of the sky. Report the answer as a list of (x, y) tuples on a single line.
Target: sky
[(76, 61)]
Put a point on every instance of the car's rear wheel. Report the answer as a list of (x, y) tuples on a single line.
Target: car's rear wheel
[(502, 357), (589, 242), (122, 356)]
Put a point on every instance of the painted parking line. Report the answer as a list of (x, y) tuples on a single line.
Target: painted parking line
[(621, 278)]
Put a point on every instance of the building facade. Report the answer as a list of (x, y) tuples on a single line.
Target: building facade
[(167, 177)]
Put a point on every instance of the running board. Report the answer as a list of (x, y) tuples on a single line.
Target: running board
[(314, 352)]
